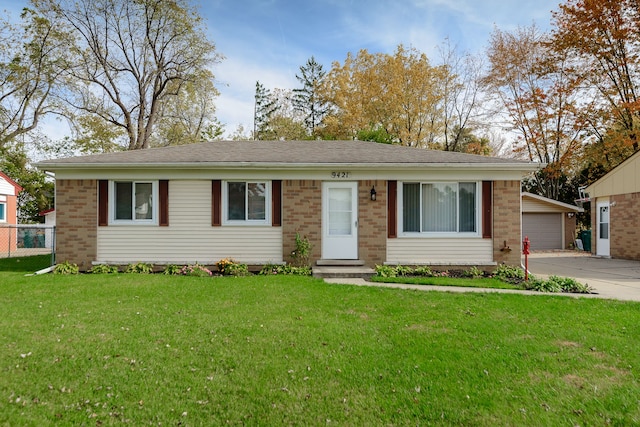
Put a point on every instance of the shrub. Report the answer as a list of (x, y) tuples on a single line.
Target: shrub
[(386, 271), (140, 267), (172, 269), (302, 252), (404, 270), (104, 269), (558, 284), (423, 271), (474, 273), (285, 269), (229, 267), (509, 274), (195, 270), (66, 268)]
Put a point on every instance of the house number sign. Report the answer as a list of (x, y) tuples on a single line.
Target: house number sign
[(340, 175)]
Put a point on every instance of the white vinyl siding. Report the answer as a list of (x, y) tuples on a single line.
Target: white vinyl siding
[(6, 188), (189, 237), (440, 251)]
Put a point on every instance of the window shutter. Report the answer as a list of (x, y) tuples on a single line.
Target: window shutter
[(487, 216), (216, 203), (276, 203), (103, 203), (163, 187), (392, 209)]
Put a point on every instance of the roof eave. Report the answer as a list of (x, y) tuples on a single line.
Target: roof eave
[(525, 167)]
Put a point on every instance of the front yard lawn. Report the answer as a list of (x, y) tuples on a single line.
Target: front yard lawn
[(288, 350)]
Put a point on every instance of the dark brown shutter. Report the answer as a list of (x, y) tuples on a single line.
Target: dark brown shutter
[(103, 202), (392, 209), (164, 202), (276, 203), (216, 203), (487, 216)]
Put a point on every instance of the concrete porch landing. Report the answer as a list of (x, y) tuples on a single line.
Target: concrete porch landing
[(329, 268)]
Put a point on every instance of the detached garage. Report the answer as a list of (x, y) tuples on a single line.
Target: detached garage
[(549, 224)]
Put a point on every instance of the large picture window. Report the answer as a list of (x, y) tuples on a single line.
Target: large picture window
[(246, 202), (134, 201), (442, 207)]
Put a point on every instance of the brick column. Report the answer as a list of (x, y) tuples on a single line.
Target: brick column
[(372, 222), (76, 221), (302, 213), (506, 222)]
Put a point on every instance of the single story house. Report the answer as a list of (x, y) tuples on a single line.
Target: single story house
[(9, 191), (615, 211), (246, 200), (548, 223)]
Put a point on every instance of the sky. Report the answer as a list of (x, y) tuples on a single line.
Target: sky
[(268, 40)]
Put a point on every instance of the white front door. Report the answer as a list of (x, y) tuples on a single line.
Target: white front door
[(340, 220), (602, 245)]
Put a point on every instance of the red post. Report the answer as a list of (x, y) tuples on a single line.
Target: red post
[(525, 250)]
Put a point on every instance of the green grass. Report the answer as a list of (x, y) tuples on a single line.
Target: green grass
[(489, 283), (276, 350), (28, 264)]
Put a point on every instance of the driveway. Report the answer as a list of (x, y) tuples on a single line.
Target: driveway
[(610, 278)]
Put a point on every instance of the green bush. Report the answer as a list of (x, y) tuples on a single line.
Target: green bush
[(423, 271), (140, 267), (285, 269), (171, 270), (386, 271), (474, 273), (229, 267), (509, 274), (66, 268), (103, 269), (558, 284)]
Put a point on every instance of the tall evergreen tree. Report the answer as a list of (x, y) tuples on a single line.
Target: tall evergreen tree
[(264, 109), (307, 99)]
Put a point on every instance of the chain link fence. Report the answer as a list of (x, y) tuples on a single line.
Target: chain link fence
[(27, 240)]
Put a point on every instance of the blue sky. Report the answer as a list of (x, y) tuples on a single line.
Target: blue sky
[(268, 40)]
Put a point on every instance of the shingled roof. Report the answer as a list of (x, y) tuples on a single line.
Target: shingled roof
[(284, 153)]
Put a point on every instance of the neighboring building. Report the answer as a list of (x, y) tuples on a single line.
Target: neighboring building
[(615, 211), (548, 223), (247, 200), (9, 191)]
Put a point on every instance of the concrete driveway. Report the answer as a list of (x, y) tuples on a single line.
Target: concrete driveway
[(610, 278)]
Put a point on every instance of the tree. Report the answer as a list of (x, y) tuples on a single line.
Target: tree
[(265, 106), (399, 93), (307, 99), (541, 101), (600, 38), (131, 58), (461, 96), (30, 64)]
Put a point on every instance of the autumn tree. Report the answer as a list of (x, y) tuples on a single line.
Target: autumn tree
[(31, 61), (540, 100), (400, 94), (131, 58), (600, 38), (308, 99)]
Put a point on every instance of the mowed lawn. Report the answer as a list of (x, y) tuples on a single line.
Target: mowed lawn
[(282, 350)]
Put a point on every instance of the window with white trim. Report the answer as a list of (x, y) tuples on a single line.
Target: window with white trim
[(133, 202), (440, 207), (246, 202), (3, 212)]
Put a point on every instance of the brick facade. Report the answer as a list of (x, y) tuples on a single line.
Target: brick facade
[(624, 223), (77, 221), (302, 213), (506, 222), (372, 222)]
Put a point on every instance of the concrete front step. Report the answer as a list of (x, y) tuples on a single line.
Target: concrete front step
[(342, 271)]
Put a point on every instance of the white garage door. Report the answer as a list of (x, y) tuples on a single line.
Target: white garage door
[(544, 230)]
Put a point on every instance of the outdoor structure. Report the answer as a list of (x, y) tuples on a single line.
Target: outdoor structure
[(548, 223), (9, 191), (615, 211), (356, 202)]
